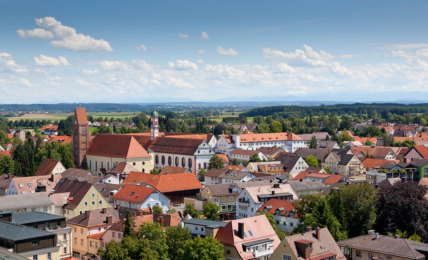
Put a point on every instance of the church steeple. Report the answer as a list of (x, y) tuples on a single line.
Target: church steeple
[(154, 125), (80, 136)]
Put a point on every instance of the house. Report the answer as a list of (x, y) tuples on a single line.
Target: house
[(49, 130), (343, 162), (107, 150), (138, 197), (5, 180), (312, 244), (328, 145), (108, 190), (244, 155), (319, 154), (88, 226), (122, 170), (270, 152), (369, 163), (29, 242), (388, 182), (6, 254), (347, 132), (223, 157), (25, 185), (173, 186), (173, 170), (284, 214), (60, 200), (249, 238), (7, 153), (417, 152), (292, 164), (203, 227), (225, 144), (351, 144), (364, 140), (327, 179), (221, 176), (304, 187), (319, 136), (254, 167), (250, 199), (51, 223), (287, 141), (236, 167), (35, 202), (83, 197), (50, 166), (273, 169), (385, 153), (379, 246), (225, 195)]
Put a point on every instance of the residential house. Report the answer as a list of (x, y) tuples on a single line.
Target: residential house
[(327, 179), (388, 182), (319, 154), (87, 176), (108, 190), (5, 180), (49, 167), (319, 136), (60, 200), (373, 164), (29, 242), (315, 244), (385, 153), (272, 169), (107, 150), (173, 186), (270, 152), (287, 141), (343, 162), (328, 145), (244, 155), (138, 197), (224, 158), (236, 167), (417, 152), (351, 144), (86, 227), (204, 227), (305, 187), (366, 140), (6, 254), (33, 184), (347, 132), (221, 176), (83, 197), (250, 199), (173, 170), (51, 223), (292, 165), (225, 145), (249, 238), (378, 246), (34, 202), (255, 166), (49, 130), (122, 170), (284, 214)]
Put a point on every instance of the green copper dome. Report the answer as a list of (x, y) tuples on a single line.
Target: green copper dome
[(154, 113)]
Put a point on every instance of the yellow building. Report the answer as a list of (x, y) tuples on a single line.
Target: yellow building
[(83, 197), (343, 162), (107, 150)]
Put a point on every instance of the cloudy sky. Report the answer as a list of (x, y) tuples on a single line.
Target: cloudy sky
[(144, 51)]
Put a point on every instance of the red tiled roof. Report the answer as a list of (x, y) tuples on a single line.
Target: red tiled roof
[(80, 115), (47, 167), (61, 139), (50, 128), (119, 146), (6, 153), (172, 170), (133, 194), (166, 183), (270, 137), (304, 241), (175, 145), (332, 178), (97, 236), (370, 163), (234, 167), (223, 157), (10, 136), (277, 203), (422, 150), (244, 152), (363, 140)]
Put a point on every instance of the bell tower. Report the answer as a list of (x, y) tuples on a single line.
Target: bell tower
[(154, 125), (80, 136)]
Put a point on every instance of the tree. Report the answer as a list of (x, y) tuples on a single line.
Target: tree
[(203, 249), (245, 163), (157, 209), (201, 174), (235, 161), (171, 210), (313, 143), (275, 127), (312, 161), (327, 170), (155, 171), (404, 205), (128, 249), (191, 211), (215, 163), (211, 211), (154, 233), (255, 158), (270, 218), (129, 230), (7, 165), (176, 239), (368, 142)]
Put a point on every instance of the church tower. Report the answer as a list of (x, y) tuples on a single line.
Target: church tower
[(154, 125), (80, 136)]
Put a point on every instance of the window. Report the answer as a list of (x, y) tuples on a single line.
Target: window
[(81, 242), (228, 252), (100, 202), (190, 163), (196, 228), (92, 243), (119, 235), (93, 203), (35, 242), (230, 198), (35, 257), (358, 253), (75, 230), (81, 231), (134, 163), (286, 257), (112, 234), (223, 199), (75, 241), (93, 195), (64, 236), (163, 160), (65, 250), (157, 159), (183, 162), (49, 256), (86, 203), (177, 161)]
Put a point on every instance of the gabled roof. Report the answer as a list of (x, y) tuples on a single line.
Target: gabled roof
[(95, 217), (234, 167), (80, 115), (318, 136), (255, 228), (226, 189), (284, 206), (187, 146), (47, 167), (421, 149), (77, 190), (29, 184), (6, 153), (331, 178), (118, 146), (256, 192), (270, 137), (16, 232), (31, 217), (288, 161), (122, 168), (106, 188), (223, 157), (166, 183), (327, 144), (306, 185), (374, 163), (320, 154), (173, 170), (206, 223), (20, 201), (244, 152), (269, 151), (133, 194)]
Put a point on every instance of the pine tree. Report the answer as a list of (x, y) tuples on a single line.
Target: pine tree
[(129, 225)]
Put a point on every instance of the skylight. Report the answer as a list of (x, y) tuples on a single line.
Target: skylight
[(245, 235), (21, 186), (131, 194), (251, 234), (29, 184)]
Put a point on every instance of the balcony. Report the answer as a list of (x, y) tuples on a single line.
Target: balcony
[(261, 252)]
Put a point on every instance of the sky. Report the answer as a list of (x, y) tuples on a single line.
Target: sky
[(171, 51)]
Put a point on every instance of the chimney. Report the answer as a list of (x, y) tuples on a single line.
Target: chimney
[(308, 229), (104, 210), (318, 233), (301, 180), (276, 185), (109, 219), (377, 235), (241, 230), (51, 178), (370, 232), (88, 213), (273, 192)]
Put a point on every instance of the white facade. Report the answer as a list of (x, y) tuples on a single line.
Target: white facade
[(301, 165), (288, 224), (223, 146), (197, 230), (223, 180), (288, 146), (245, 157), (156, 198)]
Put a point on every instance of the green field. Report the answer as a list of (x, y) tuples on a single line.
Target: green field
[(57, 117)]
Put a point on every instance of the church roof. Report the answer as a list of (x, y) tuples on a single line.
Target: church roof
[(118, 146), (80, 115)]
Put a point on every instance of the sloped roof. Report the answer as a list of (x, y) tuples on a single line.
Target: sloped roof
[(18, 232), (133, 193), (95, 217), (320, 154), (47, 167), (118, 146), (106, 188), (80, 115), (12, 202), (372, 163), (77, 190), (259, 227), (306, 185), (122, 168), (255, 192), (270, 151), (331, 178), (29, 184), (273, 204), (6, 153), (31, 217), (284, 136), (175, 145), (223, 157), (318, 136), (224, 189), (234, 167), (422, 150), (60, 199), (166, 183), (244, 152), (327, 144), (173, 170), (288, 161), (5, 254)]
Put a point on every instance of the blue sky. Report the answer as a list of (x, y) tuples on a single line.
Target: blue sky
[(144, 51)]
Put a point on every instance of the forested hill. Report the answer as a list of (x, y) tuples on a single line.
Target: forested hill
[(339, 109)]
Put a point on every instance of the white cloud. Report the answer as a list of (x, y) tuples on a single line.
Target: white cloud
[(204, 36), (83, 83), (403, 46), (90, 72), (43, 60), (115, 65), (141, 48), (179, 82), (226, 71), (348, 56), (284, 67), (341, 70), (200, 61), (422, 52), (183, 36), (183, 64), (305, 57), (64, 36), (8, 64), (39, 70), (25, 82), (201, 52), (227, 52), (402, 54), (155, 82), (53, 81)]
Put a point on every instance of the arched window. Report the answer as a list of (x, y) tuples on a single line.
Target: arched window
[(134, 163), (144, 163), (157, 159), (169, 160), (205, 165), (183, 162), (177, 161), (144, 170), (199, 166), (190, 163), (163, 159)]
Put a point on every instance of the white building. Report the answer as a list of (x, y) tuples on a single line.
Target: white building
[(225, 145), (37, 202), (222, 176), (284, 214), (139, 197), (244, 155)]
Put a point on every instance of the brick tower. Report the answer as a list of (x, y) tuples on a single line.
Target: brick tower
[(80, 136)]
